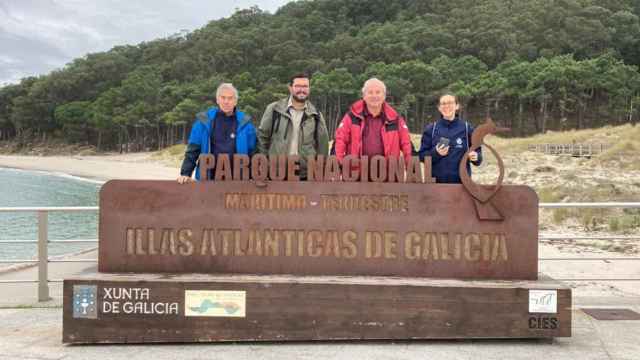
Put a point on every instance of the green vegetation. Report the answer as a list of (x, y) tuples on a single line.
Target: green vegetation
[(623, 141), (548, 195), (615, 220), (598, 219), (534, 66), (626, 222), (172, 155)]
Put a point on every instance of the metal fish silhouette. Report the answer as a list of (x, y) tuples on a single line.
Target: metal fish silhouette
[(482, 194)]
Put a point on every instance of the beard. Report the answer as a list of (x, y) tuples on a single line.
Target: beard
[(300, 97)]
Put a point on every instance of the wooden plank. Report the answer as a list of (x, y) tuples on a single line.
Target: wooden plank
[(311, 228), (285, 308)]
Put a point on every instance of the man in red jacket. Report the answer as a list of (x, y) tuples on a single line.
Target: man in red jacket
[(372, 127)]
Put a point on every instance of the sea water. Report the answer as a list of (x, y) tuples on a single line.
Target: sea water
[(20, 188)]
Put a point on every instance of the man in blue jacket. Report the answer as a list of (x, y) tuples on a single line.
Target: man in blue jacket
[(223, 130), (446, 141)]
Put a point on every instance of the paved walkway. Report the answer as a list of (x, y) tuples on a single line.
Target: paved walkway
[(37, 333), (26, 294), (33, 330)]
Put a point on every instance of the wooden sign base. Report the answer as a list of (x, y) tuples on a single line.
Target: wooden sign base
[(157, 308)]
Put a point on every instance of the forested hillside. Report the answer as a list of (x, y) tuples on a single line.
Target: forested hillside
[(531, 65)]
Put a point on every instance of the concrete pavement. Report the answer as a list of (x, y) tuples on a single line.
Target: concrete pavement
[(33, 330), (36, 334)]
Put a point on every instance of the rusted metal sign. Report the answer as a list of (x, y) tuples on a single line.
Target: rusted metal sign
[(360, 217), (316, 228)]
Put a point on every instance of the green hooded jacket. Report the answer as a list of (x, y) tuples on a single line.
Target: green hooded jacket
[(274, 133)]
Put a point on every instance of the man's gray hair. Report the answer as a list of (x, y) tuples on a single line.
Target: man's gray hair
[(372, 81), (227, 86)]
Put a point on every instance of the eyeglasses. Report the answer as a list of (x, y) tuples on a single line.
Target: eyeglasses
[(300, 86)]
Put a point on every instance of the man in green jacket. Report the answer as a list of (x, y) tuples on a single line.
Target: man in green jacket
[(293, 126)]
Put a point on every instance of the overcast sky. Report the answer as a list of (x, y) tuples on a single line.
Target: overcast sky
[(37, 36)]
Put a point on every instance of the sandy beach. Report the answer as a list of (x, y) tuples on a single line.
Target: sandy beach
[(104, 167)]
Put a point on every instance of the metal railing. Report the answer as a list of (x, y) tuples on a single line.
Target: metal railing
[(43, 259), (43, 245)]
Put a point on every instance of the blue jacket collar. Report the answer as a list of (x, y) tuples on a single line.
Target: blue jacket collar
[(444, 122), (241, 119)]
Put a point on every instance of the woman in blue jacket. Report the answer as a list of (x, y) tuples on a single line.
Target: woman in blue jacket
[(446, 141)]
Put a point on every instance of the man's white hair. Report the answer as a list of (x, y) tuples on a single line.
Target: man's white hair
[(226, 86), (373, 81)]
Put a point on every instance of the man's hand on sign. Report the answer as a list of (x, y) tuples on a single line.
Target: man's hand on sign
[(442, 150), (184, 179), (473, 156)]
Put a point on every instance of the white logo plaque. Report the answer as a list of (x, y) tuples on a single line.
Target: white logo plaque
[(543, 301)]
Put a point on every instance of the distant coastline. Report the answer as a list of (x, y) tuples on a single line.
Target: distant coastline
[(57, 173), (96, 168)]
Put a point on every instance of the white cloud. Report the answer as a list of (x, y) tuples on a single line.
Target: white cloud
[(37, 36), (6, 60)]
